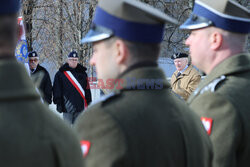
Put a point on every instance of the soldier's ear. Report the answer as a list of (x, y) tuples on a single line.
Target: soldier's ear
[(216, 40), (121, 51)]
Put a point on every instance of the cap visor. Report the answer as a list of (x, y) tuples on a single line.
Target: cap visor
[(192, 24), (94, 36)]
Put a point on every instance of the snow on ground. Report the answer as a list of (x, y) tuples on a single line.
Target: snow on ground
[(52, 107), (95, 96)]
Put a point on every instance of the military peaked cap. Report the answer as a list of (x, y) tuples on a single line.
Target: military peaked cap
[(9, 6), (73, 54), (128, 19), (33, 54), (224, 14), (179, 55)]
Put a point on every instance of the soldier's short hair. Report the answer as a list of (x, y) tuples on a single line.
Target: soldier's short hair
[(138, 50)]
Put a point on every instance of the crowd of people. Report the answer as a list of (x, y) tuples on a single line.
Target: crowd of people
[(70, 88), (144, 120)]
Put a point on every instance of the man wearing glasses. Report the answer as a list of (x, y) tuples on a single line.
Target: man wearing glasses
[(45, 85), (70, 90)]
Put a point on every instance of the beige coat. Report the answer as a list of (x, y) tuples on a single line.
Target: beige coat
[(186, 83)]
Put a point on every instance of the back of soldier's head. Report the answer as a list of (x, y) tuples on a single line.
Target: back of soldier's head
[(8, 26)]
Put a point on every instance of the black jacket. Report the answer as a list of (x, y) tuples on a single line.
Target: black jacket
[(65, 95), (45, 86)]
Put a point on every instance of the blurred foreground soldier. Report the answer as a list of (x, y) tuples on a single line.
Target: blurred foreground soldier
[(45, 86), (71, 92), (218, 35), (186, 78), (31, 135), (140, 123)]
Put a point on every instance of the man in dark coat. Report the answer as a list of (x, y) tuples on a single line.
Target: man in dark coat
[(71, 91), (140, 123), (218, 36), (31, 135), (45, 85)]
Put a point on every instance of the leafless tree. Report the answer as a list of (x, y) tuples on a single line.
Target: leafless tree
[(55, 27)]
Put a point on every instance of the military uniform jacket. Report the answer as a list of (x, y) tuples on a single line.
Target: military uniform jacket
[(222, 99), (186, 83), (31, 135), (141, 124), (45, 86)]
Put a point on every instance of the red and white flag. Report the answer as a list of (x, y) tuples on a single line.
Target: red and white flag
[(85, 145), (207, 123)]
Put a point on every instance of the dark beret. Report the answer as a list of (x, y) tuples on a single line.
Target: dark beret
[(179, 55), (73, 54), (33, 54)]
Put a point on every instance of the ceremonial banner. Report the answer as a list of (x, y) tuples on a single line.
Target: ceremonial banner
[(21, 51)]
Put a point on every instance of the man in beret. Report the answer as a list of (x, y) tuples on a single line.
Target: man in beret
[(45, 85), (140, 123), (218, 35), (186, 78), (31, 135), (71, 92)]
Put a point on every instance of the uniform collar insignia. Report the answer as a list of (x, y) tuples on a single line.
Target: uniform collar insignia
[(85, 146), (207, 123)]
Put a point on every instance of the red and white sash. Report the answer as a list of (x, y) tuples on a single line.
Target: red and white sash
[(77, 85)]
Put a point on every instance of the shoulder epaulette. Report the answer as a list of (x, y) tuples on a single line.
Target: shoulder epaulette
[(212, 86)]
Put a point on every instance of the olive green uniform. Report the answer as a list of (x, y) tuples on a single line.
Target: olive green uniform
[(31, 135), (143, 127), (186, 83), (223, 97)]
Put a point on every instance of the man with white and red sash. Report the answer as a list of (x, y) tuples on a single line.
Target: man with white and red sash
[(70, 89)]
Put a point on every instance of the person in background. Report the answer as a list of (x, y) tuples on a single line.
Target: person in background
[(186, 78), (140, 123), (71, 92), (218, 36), (45, 85), (31, 135)]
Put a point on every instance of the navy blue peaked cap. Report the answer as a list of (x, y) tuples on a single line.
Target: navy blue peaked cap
[(73, 54), (225, 14), (9, 6)]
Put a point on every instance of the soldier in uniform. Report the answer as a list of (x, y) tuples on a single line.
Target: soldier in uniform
[(186, 78), (45, 85), (140, 123), (31, 135), (218, 36)]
